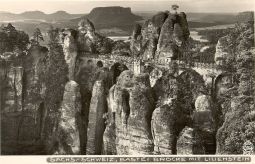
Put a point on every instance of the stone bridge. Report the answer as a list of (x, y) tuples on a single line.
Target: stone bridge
[(208, 71), (213, 77)]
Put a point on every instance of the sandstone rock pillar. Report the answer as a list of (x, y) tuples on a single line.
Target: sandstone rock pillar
[(96, 125), (68, 128), (189, 143)]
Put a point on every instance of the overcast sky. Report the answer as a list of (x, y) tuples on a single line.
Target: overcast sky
[(84, 6)]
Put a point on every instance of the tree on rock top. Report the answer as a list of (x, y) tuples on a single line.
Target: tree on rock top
[(37, 37)]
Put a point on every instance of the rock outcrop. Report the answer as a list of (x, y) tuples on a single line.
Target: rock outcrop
[(56, 77), (87, 36), (96, 125), (155, 75), (166, 116), (163, 129), (70, 52), (90, 42), (189, 142), (136, 40), (141, 103), (150, 34), (221, 53), (11, 89), (132, 118), (109, 137), (238, 118), (161, 37), (22, 92), (204, 124), (69, 137)]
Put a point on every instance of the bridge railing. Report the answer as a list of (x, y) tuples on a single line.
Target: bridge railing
[(205, 65), (127, 59)]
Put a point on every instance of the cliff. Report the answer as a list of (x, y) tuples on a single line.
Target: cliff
[(161, 38)]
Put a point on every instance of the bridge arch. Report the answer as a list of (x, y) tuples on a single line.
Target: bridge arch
[(190, 85), (116, 70), (192, 75)]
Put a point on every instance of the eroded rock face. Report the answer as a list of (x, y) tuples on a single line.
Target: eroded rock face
[(121, 98), (203, 103), (163, 129), (166, 116), (136, 41), (109, 137), (204, 124), (96, 125), (34, 77), (11, 89), (56, 76), (22, 92), (189, 142), (70, 52), (86, 27), (221, 51), (155, 75), (132, 118), (11, 103), (160, 37), (173, 33), (166, 88), (141, 104), (86, 76), (68, 125), (91, 42), (150, 34), (87, 36)]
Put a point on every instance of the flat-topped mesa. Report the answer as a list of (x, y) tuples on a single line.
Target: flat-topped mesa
[(161, 38), (115, 15), (112, 9)]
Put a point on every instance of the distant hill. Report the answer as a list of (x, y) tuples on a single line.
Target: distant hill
[(226, 18), (209, 18), (37, 15), (245, 16), (109, 17)]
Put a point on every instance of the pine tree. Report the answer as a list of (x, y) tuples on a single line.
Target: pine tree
[(37, 36)]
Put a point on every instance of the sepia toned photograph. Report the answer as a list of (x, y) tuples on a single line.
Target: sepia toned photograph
[(124, 77)]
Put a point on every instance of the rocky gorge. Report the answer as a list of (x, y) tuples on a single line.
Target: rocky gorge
[(87, 94)]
